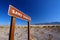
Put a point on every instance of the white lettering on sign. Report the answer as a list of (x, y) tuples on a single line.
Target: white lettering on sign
[(13, 11), (25, 17), (20, 14), (17, 13)]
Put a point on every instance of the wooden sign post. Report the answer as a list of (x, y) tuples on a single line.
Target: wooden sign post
[(14, 12), (12, 28), (28, 30)]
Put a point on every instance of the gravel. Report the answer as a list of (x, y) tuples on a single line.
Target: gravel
[(35, 34)]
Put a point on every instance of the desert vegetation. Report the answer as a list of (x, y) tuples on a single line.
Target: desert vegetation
[(36, 33)]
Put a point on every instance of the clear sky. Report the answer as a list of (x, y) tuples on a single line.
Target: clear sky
[(40, 11)]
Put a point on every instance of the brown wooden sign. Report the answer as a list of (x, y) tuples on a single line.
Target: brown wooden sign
[(16, 13), (13, 12)]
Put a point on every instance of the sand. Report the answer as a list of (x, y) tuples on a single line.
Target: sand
[(35, 33)]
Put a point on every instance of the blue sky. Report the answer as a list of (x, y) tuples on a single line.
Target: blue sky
[(40, 11)]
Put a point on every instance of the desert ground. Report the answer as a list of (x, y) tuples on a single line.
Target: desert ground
[(36, 33)]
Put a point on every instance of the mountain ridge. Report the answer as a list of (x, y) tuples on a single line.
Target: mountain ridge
[(49, 23)]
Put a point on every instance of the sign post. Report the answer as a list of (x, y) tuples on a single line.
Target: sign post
[(12, 28), (14, 12), (28, 30)]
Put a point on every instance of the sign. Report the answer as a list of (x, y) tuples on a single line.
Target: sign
[(13, 12), (16, 13)]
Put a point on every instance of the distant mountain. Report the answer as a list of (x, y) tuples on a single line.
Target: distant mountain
[(51, 23)]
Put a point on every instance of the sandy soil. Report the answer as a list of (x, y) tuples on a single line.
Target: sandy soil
[(35, 33)]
